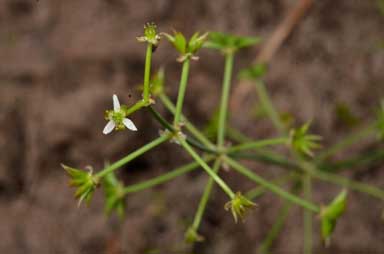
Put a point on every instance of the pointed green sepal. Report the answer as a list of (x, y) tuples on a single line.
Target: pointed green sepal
[(84, 181), (254, 72), (302, 142), (187, 49), (157, 82), (330, 214), (227, 43), (239, 206), (114, 195)]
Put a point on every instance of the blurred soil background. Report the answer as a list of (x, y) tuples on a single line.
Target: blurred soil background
[(61, 61)]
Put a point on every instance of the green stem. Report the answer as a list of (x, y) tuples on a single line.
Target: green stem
[(189, 126), (163, 178), (132, 156), (267, 105), (204, 198), (272, 187), (266, 157), (147, 72), (345, 182), (260, 190), (181, 94), (171, 128), (367, 158), (237, 136), (346, 142), (276, 228), (229, 57), (258, 144), (138, 105), (208, 169), (307, 219)]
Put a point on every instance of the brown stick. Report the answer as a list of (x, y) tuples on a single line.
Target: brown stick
[(283, 31), (271, 46)]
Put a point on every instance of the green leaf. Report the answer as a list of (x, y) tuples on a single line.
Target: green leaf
[(196, 42), (229, 43), (330, 215), (157, 82), (254, 72), (178, 41), (114, 196), (210, 130)]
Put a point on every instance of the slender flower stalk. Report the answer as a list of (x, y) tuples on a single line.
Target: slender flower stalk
[(276, 228), (260, 190), (189, 126), (345, 182), (163, 178), (266, 102), (147, 72), (347, 141), (205, 197), (272, 187), (207, 168), (133, 155), (257, 144), (181, 94), (307, 218), (229, 58)]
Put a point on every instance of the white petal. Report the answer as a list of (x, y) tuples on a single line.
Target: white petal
[(129, 124), (109, 127), (116, 103)]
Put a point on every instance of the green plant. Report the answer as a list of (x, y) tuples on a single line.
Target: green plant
[(303, 164)]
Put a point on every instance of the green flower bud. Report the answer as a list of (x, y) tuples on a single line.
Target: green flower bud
[(302, 142), (114, 195), (150, 34), (84, 181), (330, 214), (239, 206)]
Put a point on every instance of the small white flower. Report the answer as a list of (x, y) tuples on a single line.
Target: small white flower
[(117, 118)]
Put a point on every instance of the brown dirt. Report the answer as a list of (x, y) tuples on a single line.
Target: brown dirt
[(62, 60)]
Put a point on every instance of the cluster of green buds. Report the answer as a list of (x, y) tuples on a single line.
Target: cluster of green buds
[(239, 206), (150, 35), (84, 181), (227, 43), (302, 142), (330, 214), (187, 49)]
